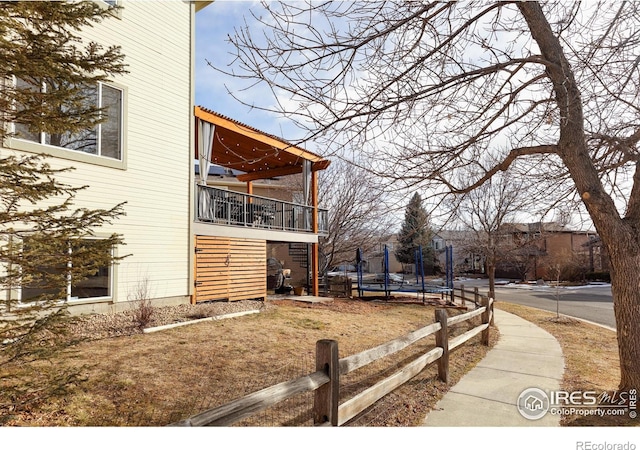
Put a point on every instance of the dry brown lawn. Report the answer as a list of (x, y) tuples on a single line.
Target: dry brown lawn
[(156, 379)]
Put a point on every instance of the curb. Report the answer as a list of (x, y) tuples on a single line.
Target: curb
[(206, 319), (606, 327)]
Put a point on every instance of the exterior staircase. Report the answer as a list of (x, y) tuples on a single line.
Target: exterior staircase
[(298, 253)]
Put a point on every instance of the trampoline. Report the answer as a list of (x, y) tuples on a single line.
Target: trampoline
[(388, 283)]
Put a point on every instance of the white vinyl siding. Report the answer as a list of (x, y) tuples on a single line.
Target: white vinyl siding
[(154, 179)]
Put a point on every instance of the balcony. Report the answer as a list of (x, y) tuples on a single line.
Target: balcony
[(224, 207)]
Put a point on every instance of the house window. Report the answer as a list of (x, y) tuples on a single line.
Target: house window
[(112, 4), (103, 140), (48, 281)]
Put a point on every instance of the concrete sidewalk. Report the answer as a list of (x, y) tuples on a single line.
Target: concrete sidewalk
[(525, 357)]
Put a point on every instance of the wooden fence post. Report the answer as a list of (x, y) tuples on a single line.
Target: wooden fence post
[(442, 340), (462, 298), (485, 320), (325, 402), (476, 295), (491, 308)]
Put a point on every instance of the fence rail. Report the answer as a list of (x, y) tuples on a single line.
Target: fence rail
[(325, 382), (464, 294)]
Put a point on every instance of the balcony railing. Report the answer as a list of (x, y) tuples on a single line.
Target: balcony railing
[(223, 207)]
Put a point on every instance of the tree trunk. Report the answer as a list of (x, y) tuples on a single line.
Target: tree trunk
[(491, 271), (620, 236), (625, 286)]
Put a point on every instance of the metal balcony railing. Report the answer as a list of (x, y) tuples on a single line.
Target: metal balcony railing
[(223, 207)]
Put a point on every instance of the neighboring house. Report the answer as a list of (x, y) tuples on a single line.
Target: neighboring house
[(598, 257), (464, 260), (375, 258), (438, 243), (525, 250), (543, 247), (171, 223)]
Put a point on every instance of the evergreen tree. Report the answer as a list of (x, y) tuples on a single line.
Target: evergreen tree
[(415, 232), (47, 247), (48, 70)]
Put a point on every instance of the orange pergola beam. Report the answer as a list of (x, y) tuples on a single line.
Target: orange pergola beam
[(255, 135), (269, 173), (315, 254), (281, 171)]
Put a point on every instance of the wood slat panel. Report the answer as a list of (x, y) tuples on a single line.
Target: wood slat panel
[(246, 288), (245, 295), (244, 278), (213, 291), (252, 270), (210, 298), (245, 284), (212, 268), (221, 288), (230, 268)]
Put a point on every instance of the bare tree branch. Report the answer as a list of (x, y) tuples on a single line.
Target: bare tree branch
[(444, 97)]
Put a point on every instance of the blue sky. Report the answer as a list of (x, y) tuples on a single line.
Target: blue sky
[(213, 24)]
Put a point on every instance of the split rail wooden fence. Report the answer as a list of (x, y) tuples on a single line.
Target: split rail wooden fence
[(467, 295), (326, 380)]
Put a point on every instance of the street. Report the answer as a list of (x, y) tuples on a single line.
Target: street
[(593, 303)]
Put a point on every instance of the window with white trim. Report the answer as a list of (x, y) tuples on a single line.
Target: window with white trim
[(103, 140), (99, 285)]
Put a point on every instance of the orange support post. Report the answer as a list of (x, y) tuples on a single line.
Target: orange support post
[(314, 247)]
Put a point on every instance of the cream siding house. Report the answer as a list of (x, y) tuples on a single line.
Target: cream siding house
[(185, 241), (153, 172)]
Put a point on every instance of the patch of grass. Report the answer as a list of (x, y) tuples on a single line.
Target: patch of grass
[(307, 323), (591, 359)]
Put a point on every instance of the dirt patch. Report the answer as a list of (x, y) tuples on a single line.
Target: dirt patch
[(337, 305), (102, 326), (564, 320)]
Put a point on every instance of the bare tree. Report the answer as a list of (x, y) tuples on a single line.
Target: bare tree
[(358, 212), (524, 252), (549, 91), (484, 211), (522, 260), (560, 266), (528, 247)]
